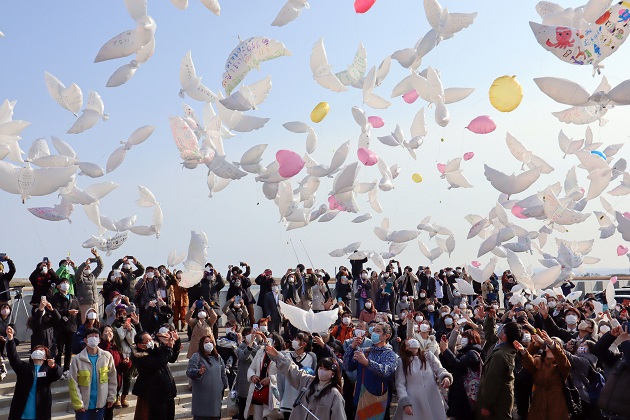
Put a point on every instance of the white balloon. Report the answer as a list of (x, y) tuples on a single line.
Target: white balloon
[(356, 69), (322, 71), (147, 199), (213, 6), (289, 12), (70, 98), (63, 148), (91, 169), (90, 116), (248, 96), (191, 83), (122, 75), (38, 149), (362, 218), (116, 159), (30, 182), (511, 184)]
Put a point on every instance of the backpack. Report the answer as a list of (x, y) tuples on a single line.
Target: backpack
[(596, 382), (471, 382)]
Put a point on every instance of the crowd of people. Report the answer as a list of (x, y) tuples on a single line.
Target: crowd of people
[(396, 334)]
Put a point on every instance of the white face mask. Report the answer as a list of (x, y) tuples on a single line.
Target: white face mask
[(368, 305), (463, 306), (274, 289), (419, 318), (448, 321), (423, 295), (92, 342), (64, 287), (5, 312), (248, 338), (150, 275), (529, 307), (44, 270), (404, 298), (464, 342), (87, 271), (584, 325), (324, 374), (364, 276), (228, 330), (551, 304), (527, 338), (264, 328), (201, 315), (425, 328), (295, 344), (431, 308), (208, 347), (413, 344), (38, 355), (345, 321), (91, 315), (359, 333), (292, 280), (571, 319), (126, 266), (163, 330), (604, 329), (495, 307), (150, 345)]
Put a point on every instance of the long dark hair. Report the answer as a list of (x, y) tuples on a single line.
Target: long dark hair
[(335, 382), (202, 352), (407, 357)]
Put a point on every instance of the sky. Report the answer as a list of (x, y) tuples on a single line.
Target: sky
[(64, 37)]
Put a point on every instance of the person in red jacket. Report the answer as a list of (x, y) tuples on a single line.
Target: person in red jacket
[(345, 330)]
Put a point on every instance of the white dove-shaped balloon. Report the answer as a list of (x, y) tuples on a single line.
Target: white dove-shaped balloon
[(322, 70), (91, 114), (248, 96), (290, 11), (70, 98), (191, 83)]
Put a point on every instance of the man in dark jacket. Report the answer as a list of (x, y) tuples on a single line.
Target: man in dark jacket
[(40, 368), (42, 279), (85, 283), (265, 281), (68, 307), (5, 279), (271, 305), (128, 276), (155, 386), (496, 388)]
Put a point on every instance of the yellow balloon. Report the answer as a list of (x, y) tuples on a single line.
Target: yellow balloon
[(320, 112), (416, 178), (506, 93)]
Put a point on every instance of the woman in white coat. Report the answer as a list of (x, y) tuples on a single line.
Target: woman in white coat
[(262, 373), (418, 393)]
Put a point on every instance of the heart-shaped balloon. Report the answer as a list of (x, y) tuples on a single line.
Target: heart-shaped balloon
[(375, 121), (518, 212), (622, 250), (476, 264), (334, 204), (410, 97), (290, 163), (441, 167), (468, 155), (367, 157), (627, 215)]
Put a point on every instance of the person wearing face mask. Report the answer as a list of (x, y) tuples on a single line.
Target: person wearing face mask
[(572, 318), (240, 284), (66, 270), (5, 279), (42, 279), (498, 374), (32, 398), (146, 297), (271, 305), (85, 279), (263, 394), (91, 322), (345, 329), (117, 300), (323, 388), (205, 367), (369, 312), (321, 292), (418, 393), (68, 308), (236, 311), (386, 290), (5, 318), (343, 287), (155, 386), (375, 370), (120, 363), (113, 283), (42, 324), (125, 329), (201, 320), (549, 371), (226, 347), (245, 353), (404, 304), (180, 301), (92, 380), (305, 360), (364, 291), (446, 326), (289, 287), (420, 330), (128, 276), (583, 373), (466, 364), (265, 281)]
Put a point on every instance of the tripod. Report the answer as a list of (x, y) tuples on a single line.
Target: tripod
[(18, 302)]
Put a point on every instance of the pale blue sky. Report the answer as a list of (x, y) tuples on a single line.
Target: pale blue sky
[(64, 37)]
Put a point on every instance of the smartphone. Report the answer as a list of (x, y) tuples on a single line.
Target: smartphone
[(199, 304), (258, 386), (3, 256), (237, 299), (359, 333), (45, 259), (255, 326), (270, 341)]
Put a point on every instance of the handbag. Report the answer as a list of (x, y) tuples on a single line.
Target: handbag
[(261, 395), (231, 408), (471, 382), (572, 398), (371, 407)]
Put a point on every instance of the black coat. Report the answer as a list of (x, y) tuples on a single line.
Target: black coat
[(25, 375), (63, 305), (128, 277), (155, 380), (43, 324), (265, 284), (42, 284), (468, 358), (5, 279), (270, 308)]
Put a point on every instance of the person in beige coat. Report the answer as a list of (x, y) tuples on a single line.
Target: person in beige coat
[(201, 321), (323, 395), (271, 410)]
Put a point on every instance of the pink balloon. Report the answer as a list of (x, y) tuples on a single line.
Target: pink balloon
[(376, 122), (517, 211), (622, 250), (367, 157), (290, 163), (476, 264), (468, 155), (613, 279), (362, 6), (441, 167), (410, 97), (334, 204), (627, 215), (482, 125)]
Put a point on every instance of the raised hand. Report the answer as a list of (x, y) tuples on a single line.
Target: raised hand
[(10, 333)]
